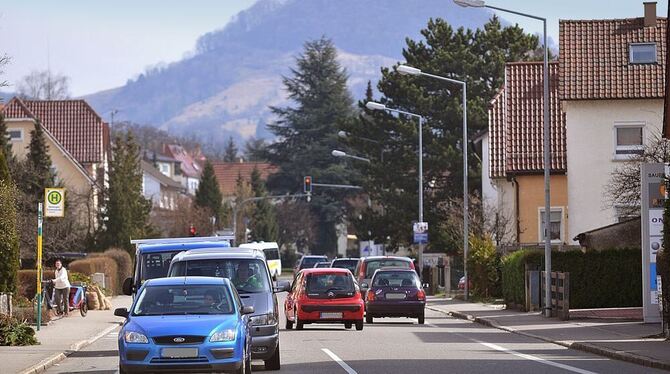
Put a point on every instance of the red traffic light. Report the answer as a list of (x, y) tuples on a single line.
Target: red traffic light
[(307, 184)]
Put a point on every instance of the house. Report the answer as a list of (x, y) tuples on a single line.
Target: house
[(159, 188), (190, 169), (168, 166), (227, 174), (78, 141), (611, 89), (513, 155)]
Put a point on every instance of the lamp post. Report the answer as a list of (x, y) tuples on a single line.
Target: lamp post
[(337, 153), (378, 106), (546, 145), (345, 135), (409, 70)]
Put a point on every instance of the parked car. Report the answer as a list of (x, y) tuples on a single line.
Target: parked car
[(271, 251), (368, 265), (461, 283), (322, 264), (153, 256), (345, 263), (324, 296), (182, 324), (249, 273), (308, 261), (395, 293)]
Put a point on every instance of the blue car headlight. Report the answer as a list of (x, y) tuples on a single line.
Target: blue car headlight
[(135, 337), (223, 336), (263, 319)]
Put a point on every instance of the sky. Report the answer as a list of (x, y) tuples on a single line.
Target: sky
[(102, 44)]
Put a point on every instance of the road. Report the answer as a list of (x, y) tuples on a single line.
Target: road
[(397, 345)]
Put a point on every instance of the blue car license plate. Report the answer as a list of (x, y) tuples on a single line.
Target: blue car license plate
[(179, 352)]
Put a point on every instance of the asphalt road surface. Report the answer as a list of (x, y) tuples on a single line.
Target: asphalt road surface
[(397, 345)]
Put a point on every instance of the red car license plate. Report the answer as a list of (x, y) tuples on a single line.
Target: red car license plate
[(325, 315)]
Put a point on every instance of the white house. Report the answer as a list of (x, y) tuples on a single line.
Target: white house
[(611, 89)]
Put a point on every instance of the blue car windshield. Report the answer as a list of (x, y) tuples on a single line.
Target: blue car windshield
[(183, 300), (248, 275)]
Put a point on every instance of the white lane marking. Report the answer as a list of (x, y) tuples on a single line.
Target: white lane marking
[(536, 359), (523, 355), (339, 361)]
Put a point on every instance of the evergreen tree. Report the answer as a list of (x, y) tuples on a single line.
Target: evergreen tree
[(208, 195), (242, 192), (264, 218), (38, 164), (5, 143), (307, 134), (477, 57), (230, 153), (9, 238), (254, 150), (125, 210)]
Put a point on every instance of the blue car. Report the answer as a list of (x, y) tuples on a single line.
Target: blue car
[(185, 324)]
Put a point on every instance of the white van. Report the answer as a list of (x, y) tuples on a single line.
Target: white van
[(271, 251)]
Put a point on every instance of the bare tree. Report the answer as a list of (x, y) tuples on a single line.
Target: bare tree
[(297, 225), (4, 60), (623, 189), (44, 85)]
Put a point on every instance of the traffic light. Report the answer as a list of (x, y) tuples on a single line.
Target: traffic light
[(307, 184), (192, 231)]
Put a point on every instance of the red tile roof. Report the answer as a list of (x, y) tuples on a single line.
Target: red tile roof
[(188, 166), (516, 119), (75, 125), (228, 172), (595, 64)]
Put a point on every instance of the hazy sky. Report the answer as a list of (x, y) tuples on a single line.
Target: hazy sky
[(101, 44)]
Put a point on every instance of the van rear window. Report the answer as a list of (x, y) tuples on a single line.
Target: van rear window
[(373, 265), (271, 253)]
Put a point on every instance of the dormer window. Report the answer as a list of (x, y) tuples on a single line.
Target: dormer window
[(642, 53)]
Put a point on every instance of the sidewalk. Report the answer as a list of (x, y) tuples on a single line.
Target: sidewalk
[(621, 340), (60, 338)]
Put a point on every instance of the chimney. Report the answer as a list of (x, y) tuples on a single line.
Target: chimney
[(650, 14)]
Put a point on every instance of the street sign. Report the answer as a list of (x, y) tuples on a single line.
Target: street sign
[(420, 232), (54, 202)]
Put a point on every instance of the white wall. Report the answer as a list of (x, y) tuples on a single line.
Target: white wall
[(591, 160), (151, 189), (505, 203), (489, 193)]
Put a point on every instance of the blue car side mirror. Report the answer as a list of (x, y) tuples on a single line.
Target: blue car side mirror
[(248, 310)]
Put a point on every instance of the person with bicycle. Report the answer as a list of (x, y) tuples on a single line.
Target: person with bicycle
[(62, 285)]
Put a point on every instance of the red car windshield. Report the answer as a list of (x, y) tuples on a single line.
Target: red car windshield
[(322, 284)]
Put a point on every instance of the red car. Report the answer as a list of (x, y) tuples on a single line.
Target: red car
[(324, 295)]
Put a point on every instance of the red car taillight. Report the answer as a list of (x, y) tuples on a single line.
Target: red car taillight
[(371, 295), (421, 295)]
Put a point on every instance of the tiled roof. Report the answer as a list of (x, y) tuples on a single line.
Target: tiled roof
[(595, 64), (516, 119), (188, 165), (75, 125), (227, 173)]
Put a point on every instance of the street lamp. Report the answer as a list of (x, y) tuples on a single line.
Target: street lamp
[(378, 106), (337, 153), (409, 70), (547, 145)]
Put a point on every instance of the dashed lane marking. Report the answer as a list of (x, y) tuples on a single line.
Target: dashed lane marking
[(339, 361)]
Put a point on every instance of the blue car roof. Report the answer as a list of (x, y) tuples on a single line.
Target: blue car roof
[(171, 247), (191, 281)]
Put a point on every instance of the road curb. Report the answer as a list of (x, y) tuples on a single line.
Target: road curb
[(43, 365), (580, 346)]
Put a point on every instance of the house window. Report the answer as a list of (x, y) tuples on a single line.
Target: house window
[(555, 225), (628, 140), (15, 135), (642, 53), (164, 168)]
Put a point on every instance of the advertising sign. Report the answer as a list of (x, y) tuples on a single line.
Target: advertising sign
[(653, 198), (420, 232)]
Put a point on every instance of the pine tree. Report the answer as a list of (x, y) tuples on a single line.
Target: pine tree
[(38, 163), (308, 134), (264, 219), (125, 210), (208, 195), (9, 238), (5, 143), (230, 153)]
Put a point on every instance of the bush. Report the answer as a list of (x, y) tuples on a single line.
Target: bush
[(602, 279), (101, 264), (14, 332), (484, 267), (124, 263), (663, 269), (27, 283), (9, 239)]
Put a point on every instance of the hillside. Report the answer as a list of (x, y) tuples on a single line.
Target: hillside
[(235, 73)]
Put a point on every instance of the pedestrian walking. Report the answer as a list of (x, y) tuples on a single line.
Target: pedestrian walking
[(62, 285)]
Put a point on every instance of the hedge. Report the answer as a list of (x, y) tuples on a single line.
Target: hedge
[(598, 279), (100, 264), (124, 263)]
